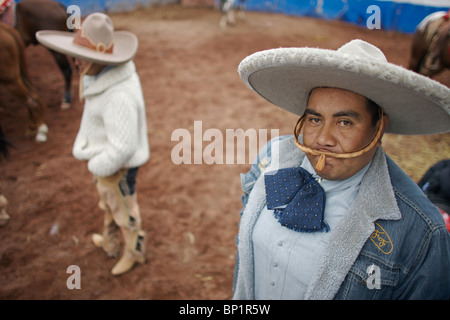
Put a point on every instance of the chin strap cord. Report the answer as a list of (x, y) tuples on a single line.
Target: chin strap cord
[(81, 83)]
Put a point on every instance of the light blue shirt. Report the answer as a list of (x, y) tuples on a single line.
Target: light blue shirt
[(285, 260)]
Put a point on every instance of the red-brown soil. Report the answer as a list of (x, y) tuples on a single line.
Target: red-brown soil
[(188, 70)]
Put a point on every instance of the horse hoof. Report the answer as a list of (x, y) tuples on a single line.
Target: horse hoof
[(65, 105), (4, 217), (41, 135)]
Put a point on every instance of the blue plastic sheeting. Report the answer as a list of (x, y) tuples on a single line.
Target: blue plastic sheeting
[(400, 16)]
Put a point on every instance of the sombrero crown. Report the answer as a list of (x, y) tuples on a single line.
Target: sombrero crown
[(414, 103)]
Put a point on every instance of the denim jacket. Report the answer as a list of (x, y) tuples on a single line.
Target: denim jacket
[(391, 244)]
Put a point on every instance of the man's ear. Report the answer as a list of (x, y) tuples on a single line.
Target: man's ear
[(385, 124)]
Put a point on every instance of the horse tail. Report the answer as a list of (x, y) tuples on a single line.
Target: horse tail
[(21, 50), (24, 75)]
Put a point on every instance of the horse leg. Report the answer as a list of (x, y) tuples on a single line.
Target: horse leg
[(35, 107), (36, 111), (66, 69), (231, 20), (226, 7), (430, 63), (223, 21), (227, 19), (241, 12), (230, 12)]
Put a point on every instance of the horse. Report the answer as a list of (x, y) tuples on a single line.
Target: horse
[(36, 15), (14, 78), (227, 9), (30, 16), (430, 52)]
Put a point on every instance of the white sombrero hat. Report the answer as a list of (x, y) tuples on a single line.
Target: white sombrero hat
[(96, 41), (414, 103)]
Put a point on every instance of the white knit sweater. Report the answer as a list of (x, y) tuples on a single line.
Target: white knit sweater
[(113, 130)]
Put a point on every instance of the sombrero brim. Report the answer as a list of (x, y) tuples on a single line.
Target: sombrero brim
[(285, 77), (125, 46)]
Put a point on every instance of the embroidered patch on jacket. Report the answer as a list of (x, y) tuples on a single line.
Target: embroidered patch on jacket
[(381, 239), (263, 164)]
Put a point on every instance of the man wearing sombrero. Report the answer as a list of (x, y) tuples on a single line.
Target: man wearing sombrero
[(113, 131), (326, 214)]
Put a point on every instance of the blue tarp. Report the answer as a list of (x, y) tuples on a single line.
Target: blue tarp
[(398, 16)]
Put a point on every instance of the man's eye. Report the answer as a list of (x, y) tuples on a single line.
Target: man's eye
[(344, 123), (313, 120)]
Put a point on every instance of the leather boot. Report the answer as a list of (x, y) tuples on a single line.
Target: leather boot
[(109, 241), (134, 252)]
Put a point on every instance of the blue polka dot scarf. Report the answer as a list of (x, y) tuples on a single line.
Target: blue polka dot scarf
[(297, 199)]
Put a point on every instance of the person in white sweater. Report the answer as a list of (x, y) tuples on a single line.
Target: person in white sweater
[(113, 132)]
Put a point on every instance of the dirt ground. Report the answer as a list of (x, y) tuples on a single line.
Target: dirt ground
[(188, 69)]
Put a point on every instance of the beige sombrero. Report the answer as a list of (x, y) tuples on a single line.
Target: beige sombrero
[(414, 103), (96, 41)]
